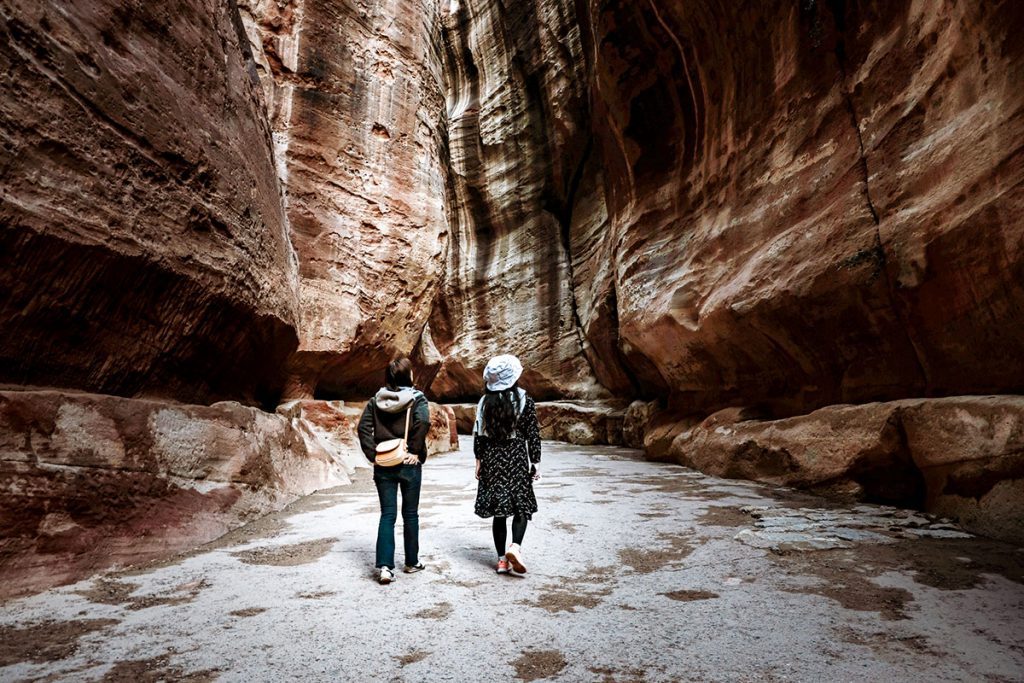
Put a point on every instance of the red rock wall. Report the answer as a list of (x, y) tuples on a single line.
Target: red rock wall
[(357, 111), (782, 204), (516, 130), (811, 203), (143, 245)]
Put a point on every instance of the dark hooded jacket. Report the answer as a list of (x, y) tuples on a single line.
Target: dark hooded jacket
[(384, 418)]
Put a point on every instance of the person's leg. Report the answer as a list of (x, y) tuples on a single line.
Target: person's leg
[(500, 530), (387, 492), (411, 479), (518, 529)]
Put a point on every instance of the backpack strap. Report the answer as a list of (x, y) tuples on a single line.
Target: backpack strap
[(408, 412)]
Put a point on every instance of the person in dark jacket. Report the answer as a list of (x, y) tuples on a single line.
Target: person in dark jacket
[(506, 442), (383, 419)]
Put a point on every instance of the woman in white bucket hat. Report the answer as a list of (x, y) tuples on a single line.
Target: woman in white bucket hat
[(506, 442)]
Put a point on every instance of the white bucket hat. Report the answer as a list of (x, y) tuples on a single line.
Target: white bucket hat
[(502, 372)]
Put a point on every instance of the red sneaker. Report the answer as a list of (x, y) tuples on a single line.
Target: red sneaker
[(502, 566)]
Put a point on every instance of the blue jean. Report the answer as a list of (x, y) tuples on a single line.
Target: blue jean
[(388, 481)]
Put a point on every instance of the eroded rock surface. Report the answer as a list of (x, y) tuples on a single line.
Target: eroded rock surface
[(143, 243), (89, 481), (357, 109), (814, 219), (961, 457)]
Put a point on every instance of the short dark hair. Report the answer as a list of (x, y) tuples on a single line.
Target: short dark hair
[(398, 374)]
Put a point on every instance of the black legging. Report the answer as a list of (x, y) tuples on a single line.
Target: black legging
[(501, 532)]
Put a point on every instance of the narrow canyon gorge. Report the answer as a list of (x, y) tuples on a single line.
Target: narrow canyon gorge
[(779, 240)]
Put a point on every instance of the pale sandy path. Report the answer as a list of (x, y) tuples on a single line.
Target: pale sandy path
[(635, 575)]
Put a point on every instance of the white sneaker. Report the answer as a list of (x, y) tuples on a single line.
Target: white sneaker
[(386, 576), (515, 558)]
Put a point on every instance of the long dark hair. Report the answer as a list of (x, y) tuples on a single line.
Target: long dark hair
[(501, 410)]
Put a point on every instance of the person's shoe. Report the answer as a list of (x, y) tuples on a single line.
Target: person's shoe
[(413, 568), (386, 576), (502, 567), (515, 558)]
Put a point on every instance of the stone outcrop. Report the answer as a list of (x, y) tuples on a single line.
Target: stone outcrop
[(335, 425), (89, 482), (143, 242), (584, 423), (962, 457), (443, 436), (356, 106)]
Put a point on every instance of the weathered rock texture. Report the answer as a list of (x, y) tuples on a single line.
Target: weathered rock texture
[(778, 206), (89, 482), (960, 456), (517, 122), (143, 244), (335, 424), (357, 109), (824, 216)]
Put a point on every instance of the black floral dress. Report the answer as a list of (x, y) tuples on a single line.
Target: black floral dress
[(506, 482)]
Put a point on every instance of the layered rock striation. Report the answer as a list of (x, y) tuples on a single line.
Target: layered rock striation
[(144, 248), (356, 105)]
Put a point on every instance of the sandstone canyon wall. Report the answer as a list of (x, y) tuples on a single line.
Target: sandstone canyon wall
[(746, 214), (356, 104), (775, 206), (144, 244), (778, 204), (517, 122)]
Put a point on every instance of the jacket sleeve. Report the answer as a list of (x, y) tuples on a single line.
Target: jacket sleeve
[(366, 441), (532, 430), (419, 428)]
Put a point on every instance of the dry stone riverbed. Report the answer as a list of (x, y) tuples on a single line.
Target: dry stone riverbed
[(637, 572)]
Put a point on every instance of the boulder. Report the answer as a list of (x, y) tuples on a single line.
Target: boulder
[(635, 422), (465, 416), (583, 423), (961, 457), (443, 436), (970, 450), (89, 482)]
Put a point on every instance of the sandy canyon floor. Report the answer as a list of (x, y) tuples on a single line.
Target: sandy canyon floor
[(637, 572)]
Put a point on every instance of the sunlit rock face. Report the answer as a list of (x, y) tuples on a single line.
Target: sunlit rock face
[(356, 104), (517, 129), (143, 243)]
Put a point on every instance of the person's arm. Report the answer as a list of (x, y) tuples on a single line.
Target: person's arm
[(365, 430), (532, 431), (419, 428), (478, 445)]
